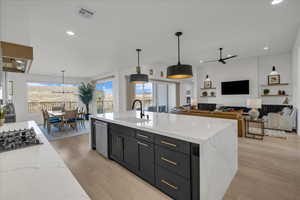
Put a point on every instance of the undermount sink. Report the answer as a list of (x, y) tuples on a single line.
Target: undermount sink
[(132, 119)]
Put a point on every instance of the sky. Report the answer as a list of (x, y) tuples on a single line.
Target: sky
[(50, 85), (106, 86), (147, 88)]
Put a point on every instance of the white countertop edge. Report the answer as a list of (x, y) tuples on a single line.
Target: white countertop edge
[(163, 133)]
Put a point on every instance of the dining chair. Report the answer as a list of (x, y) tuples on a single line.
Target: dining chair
[(70, 118), (57, 108), (44, 118), (80, 117), (51, 121)]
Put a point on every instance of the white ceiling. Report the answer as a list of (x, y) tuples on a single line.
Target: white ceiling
[(107, 42)]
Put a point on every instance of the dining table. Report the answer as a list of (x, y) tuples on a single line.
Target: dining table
[(59, 114)]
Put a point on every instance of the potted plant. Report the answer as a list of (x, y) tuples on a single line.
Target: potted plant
[(2, 116), (266, 91), (86, 92)]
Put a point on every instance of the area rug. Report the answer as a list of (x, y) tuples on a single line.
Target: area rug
[(56, 134), (269, 132)]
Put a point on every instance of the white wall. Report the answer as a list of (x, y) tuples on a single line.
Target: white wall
[(20, 92), (1, 66), (254, 69), (296, 75)]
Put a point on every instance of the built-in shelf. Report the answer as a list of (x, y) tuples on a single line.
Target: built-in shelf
[(274, 95), (207, 96), (213, 88), (280, 84)]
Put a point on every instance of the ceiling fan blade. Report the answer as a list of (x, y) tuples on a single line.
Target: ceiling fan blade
[(209, 61), (222, 61), (229, 57)]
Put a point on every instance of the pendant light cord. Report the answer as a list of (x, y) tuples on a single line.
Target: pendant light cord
[(63, 80), (138, 58), (178, 49), (138, 68)]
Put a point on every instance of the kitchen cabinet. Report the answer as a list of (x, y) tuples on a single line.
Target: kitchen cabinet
[(131, 157), (117, 147), (146, 161), (164, 162)]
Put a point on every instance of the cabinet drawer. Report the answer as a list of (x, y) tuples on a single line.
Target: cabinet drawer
[(175, 162), (173, 144), (175, 186), (142, 135), (115, 128)]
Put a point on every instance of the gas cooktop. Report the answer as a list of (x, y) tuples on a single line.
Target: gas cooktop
[(16, 139)]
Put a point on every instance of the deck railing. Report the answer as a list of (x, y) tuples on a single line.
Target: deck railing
[(35, 107)]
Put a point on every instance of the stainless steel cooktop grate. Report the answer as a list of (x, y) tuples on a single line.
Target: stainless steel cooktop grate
[(16, 139)]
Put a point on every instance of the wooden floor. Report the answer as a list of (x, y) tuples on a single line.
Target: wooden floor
[(268, 170)]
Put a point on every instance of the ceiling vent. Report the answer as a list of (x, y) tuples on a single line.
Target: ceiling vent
[(85, 13)]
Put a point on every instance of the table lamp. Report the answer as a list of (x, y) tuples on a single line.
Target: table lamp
[(254, 104)]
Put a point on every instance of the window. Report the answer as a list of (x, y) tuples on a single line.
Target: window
[(144, 92), (104, 97), (157, 96), (48, 95)]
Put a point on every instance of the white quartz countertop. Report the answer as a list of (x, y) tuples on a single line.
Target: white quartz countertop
[(36, 172), (193, 129)]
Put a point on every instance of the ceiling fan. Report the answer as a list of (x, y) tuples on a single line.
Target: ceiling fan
[(221, 59)]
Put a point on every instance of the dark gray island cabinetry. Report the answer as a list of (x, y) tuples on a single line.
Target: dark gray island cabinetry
[(169, 164)]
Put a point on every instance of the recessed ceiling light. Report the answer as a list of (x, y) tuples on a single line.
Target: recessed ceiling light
[(71, 33), (275, 2), (266, 48), (229, 55), (201, 61)]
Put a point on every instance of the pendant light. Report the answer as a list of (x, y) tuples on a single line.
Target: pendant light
[(179, 71), (62, 85), (274, 72), (138, 77)]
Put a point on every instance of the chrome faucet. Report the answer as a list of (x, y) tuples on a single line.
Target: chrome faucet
[(141, 107)]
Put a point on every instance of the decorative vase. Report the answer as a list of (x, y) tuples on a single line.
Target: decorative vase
[(254, 114)]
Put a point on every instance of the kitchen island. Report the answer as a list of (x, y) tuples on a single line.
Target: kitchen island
[(36, 172), (186, 157)]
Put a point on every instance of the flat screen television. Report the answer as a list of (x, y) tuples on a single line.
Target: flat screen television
[(235, 87)]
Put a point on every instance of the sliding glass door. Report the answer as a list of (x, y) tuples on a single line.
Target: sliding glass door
[(157, 96), (104, 97), (144, 92)]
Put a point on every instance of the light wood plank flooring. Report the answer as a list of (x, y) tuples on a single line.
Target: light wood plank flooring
[(268, 170)]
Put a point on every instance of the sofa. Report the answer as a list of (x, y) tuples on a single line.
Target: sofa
[(283, 120), (280, 117)]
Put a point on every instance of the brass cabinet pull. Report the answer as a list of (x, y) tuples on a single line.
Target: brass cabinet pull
[(167, 143), (143, 136), (169, 184), (146, 145), (168, 161)]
